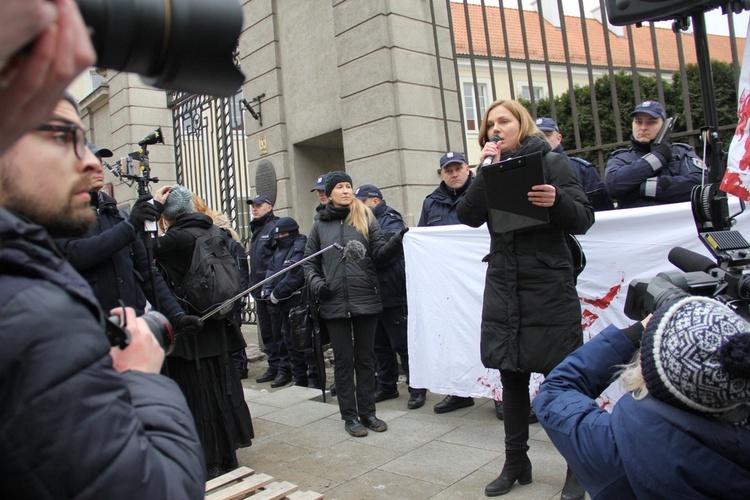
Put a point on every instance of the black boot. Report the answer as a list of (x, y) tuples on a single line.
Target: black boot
[(572, 489), (517, 468)]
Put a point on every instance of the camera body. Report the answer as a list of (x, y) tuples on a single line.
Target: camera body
[(160, 327)]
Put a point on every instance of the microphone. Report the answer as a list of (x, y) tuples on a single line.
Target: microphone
[(689, 261), (354, 251), (488, 160)]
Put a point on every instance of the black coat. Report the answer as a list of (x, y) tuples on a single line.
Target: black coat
[(286, 288), (262, 244), (354, 287), (174, 252), (70, 425), (392, 276), (113, 260), (531, 317)]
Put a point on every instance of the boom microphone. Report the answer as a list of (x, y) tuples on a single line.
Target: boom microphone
[(354, 251), (689, 261), (488, 160)]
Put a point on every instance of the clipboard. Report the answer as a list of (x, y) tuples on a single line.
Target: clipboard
[(506, 187)]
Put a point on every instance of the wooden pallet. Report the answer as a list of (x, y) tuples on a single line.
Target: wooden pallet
[(243, 482)]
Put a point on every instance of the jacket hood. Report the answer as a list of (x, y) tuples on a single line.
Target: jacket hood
[(193, 220)]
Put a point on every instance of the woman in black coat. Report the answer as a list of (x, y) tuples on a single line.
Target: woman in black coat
[(349, 296), (200, 362), (531, 317)]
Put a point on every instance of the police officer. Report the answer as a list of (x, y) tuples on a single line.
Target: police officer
[(390, 335), (590, 180), (439, 209), (652, 174)]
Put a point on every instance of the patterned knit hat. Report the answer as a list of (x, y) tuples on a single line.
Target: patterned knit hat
[(333, 178), (178, 202), (695, 354)]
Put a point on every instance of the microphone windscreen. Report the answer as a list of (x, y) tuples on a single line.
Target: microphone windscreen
[(689, 261), (354, 251)]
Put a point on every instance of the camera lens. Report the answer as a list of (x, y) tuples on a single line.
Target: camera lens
[(161, 328), (184, 45)]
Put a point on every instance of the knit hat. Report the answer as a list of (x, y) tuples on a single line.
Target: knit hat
[(333, 178), (286, 225), (695, 355), (178, 202)]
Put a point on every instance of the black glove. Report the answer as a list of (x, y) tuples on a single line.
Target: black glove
[(323, 291), (664, 152), (188, 324), (404, 231), (142, 211)]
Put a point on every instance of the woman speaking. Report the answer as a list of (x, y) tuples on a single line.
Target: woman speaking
[(531, 316)]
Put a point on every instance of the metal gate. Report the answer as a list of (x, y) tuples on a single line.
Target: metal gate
[(210, 156)]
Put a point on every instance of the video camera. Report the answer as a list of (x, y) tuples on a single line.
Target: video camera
[(183, 45), (126, 169), (726, 280)]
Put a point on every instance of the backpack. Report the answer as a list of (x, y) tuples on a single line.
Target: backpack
[(213, 276)]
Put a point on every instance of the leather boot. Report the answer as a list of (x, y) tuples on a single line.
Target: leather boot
[(517, 468), (572, 489)]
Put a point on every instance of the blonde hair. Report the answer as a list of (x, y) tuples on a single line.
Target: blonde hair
[(527, 125), (360, 217), (632, 379)]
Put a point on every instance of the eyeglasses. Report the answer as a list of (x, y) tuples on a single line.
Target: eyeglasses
[(80, 143)]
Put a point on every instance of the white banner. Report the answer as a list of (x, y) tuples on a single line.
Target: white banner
[(445, 283), (737, 177)]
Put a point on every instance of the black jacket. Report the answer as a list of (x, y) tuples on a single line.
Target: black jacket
[(439, 208), (70, 425), (174, 252), (392, 276), (261, 248), (113, 259), (354, 287), (531, 318), (286, 288)]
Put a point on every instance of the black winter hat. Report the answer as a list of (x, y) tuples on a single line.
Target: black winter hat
[(333, 178), (695, 354), (286, 225)]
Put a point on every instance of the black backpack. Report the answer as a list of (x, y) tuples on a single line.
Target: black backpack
[(213, 275)]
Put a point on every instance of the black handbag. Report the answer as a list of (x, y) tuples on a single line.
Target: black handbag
[(301, 326)]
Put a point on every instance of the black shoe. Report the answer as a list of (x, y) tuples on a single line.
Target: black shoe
[(355, 428), (452, 403), (374, 423), (532, 417), (281, 380), (301, 382), (415, 401), (213, 471), (499, 409), (517, 468), (243, 375), (499, 412), (313, 385), (381, 395), (572, 489), (268, 376)]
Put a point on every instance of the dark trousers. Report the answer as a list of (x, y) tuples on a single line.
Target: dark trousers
[(390, 342), (516, 409), (269, 326), (352, 340), (302, 363)]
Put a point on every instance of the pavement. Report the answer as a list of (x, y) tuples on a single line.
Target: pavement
[(422, 455)]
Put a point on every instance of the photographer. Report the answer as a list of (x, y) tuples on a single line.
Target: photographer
[(682, 430), (113, 259), (78, 418), (648, 173), (31, 82)]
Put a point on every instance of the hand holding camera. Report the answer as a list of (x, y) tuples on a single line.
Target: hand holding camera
[(144, 210), (143, 353)]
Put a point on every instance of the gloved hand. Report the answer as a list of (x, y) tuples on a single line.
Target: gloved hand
[(663, 152), (188, 324), (142, 211), (404, 231), (323, 291), (273, 299)]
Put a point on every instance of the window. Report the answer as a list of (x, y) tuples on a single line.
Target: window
[(526, 94), (471, 114)]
